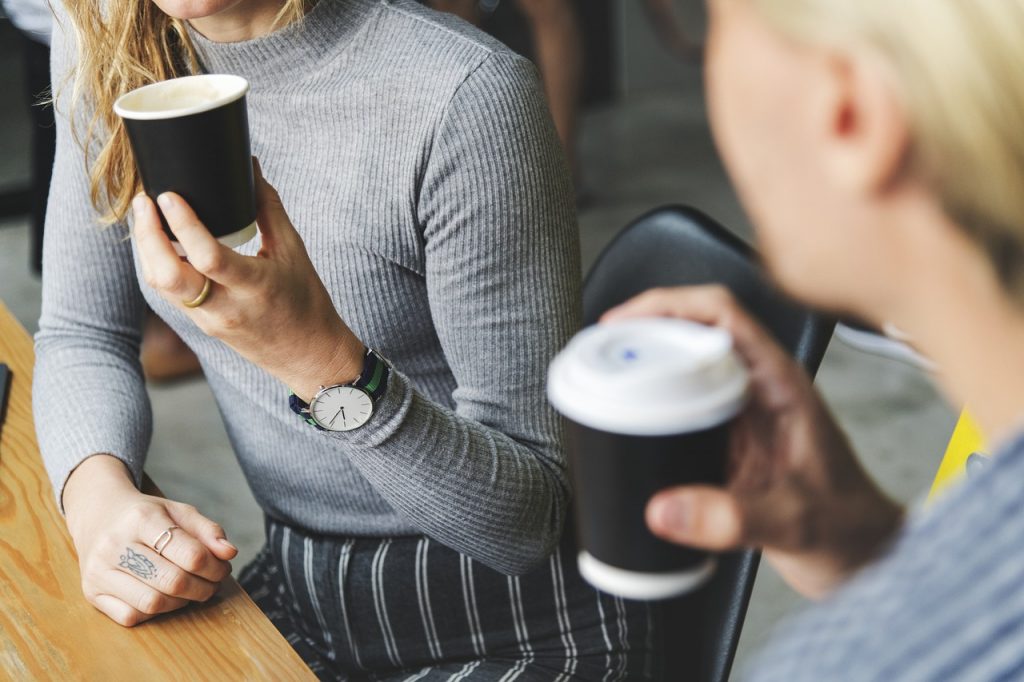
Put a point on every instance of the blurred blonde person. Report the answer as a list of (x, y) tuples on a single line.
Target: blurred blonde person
[(877, 148)]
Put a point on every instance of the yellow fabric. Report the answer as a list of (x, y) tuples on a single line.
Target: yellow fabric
[(965, 441)]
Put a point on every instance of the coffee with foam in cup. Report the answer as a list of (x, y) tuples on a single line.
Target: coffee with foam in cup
[(180, 96), (649, 406), (190, 135)]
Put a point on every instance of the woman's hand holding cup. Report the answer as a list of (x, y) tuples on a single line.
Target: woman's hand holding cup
[(795, 487), (272, 308), (140, 555)]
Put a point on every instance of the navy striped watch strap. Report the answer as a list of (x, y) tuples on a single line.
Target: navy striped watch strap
[(301, 408), (374, 379)]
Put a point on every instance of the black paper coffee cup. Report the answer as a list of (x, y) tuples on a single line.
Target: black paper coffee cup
[(649, 405), (190, 135)]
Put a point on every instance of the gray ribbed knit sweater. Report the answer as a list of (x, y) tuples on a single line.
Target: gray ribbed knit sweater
[(417, 159)]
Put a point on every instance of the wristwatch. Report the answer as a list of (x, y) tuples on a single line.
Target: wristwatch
[(345, 407)]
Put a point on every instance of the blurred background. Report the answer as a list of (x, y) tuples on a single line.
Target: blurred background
[(641, 141)]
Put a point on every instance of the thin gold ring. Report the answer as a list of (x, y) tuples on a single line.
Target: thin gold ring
[(201, 298), (164, 538)]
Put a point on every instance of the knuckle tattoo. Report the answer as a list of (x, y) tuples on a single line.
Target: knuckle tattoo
[(138, 564)]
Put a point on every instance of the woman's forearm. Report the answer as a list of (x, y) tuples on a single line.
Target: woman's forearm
[(88, 391)]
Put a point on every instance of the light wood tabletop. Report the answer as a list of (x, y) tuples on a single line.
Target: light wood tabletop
[(47, 629)]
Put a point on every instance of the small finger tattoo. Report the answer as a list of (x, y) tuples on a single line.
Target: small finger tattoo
[(138, 564)]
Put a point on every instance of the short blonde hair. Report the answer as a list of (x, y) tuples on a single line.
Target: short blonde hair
[(958, 65)]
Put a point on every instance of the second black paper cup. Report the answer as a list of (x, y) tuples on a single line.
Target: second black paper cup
[(650, 405)]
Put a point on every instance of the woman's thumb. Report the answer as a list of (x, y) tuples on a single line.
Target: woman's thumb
[(208, 532)]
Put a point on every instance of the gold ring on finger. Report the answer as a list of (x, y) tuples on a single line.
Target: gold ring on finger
[(162, 540), (201, 298)]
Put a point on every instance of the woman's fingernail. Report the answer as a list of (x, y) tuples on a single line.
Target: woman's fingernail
[(165, 201), (669, 513), (139, 203), (225, 542)]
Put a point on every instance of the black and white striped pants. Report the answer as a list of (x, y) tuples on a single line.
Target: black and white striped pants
[(410, 608)]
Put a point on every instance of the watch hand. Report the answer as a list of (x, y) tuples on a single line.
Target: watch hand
[(336, 415)]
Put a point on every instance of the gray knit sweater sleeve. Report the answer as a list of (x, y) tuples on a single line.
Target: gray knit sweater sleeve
[(502, 275), (89, 396)]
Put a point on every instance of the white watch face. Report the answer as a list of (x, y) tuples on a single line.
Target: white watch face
[(341, 408)]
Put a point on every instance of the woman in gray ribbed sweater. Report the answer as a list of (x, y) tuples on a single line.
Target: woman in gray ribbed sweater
[(429, 217)]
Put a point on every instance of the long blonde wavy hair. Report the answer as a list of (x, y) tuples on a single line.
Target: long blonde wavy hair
[(957, 64), (122, 45)]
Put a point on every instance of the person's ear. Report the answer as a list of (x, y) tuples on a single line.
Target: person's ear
[(863, 125)]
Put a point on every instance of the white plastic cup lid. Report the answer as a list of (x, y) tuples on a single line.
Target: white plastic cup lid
[(179, 97), (649, 377)]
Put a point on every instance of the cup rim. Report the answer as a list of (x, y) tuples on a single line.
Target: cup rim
[(237, 87), (652, 400)]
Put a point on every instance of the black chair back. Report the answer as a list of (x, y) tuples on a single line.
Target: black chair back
[(674, 246)]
